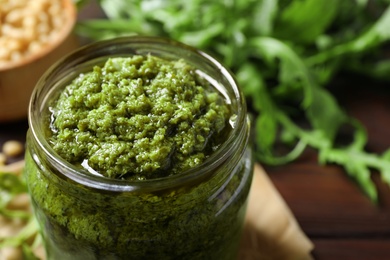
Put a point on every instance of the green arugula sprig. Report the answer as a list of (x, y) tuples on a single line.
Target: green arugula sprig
[(284, 54), (12, 185)]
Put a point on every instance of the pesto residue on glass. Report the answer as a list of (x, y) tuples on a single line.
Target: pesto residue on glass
[(139, 117)]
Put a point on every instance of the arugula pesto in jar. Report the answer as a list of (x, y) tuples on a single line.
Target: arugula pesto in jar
[(137, 149), (138, 118)]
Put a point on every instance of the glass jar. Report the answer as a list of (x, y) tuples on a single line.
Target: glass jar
[(197, 214)]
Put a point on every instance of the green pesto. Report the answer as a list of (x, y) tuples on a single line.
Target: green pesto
[(138, 118), (194, 223)]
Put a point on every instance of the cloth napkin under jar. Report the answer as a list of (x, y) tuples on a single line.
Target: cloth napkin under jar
[(271, 231)]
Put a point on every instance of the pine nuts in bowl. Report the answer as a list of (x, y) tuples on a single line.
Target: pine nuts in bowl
[(33, 35)]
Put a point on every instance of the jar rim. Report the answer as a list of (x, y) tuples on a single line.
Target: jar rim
[(237, 135)]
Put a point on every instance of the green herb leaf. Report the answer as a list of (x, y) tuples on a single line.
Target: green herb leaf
[(324, 113), (28, 231), (305, 20), (10, 186), (292, 68), (284, 54), (376, 35)]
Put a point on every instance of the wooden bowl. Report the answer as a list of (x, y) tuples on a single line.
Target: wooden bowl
[(17, 79)]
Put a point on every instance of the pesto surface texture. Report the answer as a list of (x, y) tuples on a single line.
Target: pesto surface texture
[(139, 117)]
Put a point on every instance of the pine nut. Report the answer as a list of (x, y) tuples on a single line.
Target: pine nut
[(12, 148)]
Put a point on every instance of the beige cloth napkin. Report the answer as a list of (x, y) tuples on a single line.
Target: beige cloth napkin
[(271, 231)]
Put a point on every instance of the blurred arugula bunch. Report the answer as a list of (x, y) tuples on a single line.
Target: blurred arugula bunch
[(28, 239), (283, 53)]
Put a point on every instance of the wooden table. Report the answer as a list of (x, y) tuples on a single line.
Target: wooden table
[(332, 211)]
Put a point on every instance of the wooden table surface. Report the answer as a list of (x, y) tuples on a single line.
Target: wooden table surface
[(332, 211)]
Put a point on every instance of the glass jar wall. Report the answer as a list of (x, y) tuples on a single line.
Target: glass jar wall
[(197, 214)]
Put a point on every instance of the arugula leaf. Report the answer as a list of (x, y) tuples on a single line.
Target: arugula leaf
[(284, 53), (80, 3), (264, 16), (292, 67), (12, 183), (257, 92), (28, 253), (324, 113), (295, 22), (10, 186), (378, 34), (28, 231), (116, 9)]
